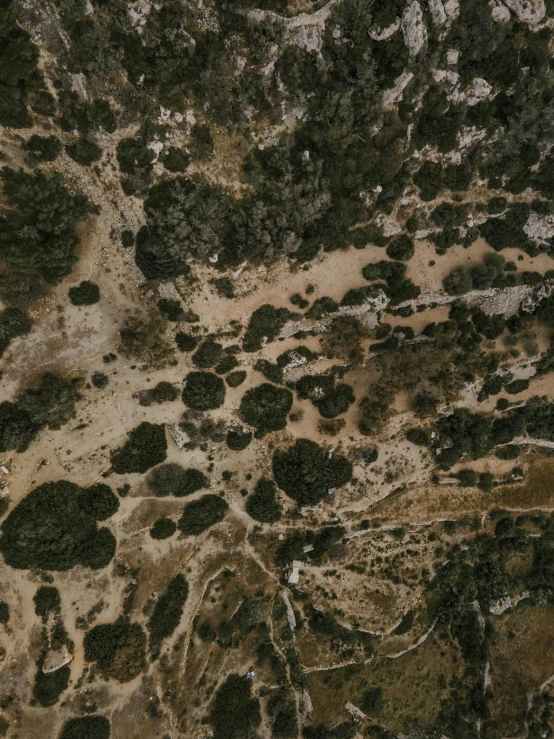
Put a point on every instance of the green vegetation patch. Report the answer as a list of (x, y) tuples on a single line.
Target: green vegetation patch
[(265, 324), (235, 713), (199, 515), (203, 391), (87, 727), (167, 612), (13, 322), (87, 293), (145, 448), (238, 439), (163, 529), (119, 649), (49, 686), (306, 473), (262, 505), (55, 528), (172, 479), (39, 236), (266, 408)]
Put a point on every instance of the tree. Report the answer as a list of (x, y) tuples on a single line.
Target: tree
[(262, 505), (145, 448), (306, 473), (266, 408), (203, 391), (264, 325), (207, 355), (39, 234), (200, 514)]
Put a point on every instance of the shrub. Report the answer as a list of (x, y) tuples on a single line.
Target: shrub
[(266, 408), (171, 309), (458, 281), (235, 713), (87, 293), (200, 514), (44, 148), (185, 342), (163, 528), (13, 322), (336, 401), (306, 473), (49, 686), (418, 436), (134, 156), (175, 159), (265, 324), (207, 355), (54, 528), (401, 248), (47, 600), (201, 145), (127, 238), (4, 612), (46, 207), (429, 179), (262, 505), (119, 649), (164, 392), (99, 380), (237, 439), (234, 379), (172, 479), (372, 701), (226, 364), (87, 727), (84, 152), (203, 391), (167, 612), (145, 448)]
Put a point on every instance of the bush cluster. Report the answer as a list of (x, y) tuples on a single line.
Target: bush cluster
[(238, 439), (55, 528), (163, 528), (87, 727), (306, 473), (119, 649), (172, 479), (235, 713), (265, 324), (13, 322)]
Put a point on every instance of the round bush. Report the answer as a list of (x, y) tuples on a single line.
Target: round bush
[(234, 379), (401, 249), (207, 355), (266, 407), (305, 472), (203, 391), (99, 379), (163, 528), (200, 514), (44, 148), (185, 342), (164, 392), (238, 440), (145, 448), (172, 479), (87, 727), (119, 649), (87, 293)]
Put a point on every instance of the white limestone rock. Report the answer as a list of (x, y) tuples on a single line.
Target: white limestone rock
[(528, 11), (413, 28)]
